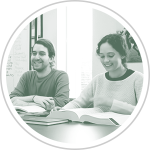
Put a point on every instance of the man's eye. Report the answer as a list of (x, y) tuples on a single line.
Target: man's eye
[(41, 54), (34, 54)]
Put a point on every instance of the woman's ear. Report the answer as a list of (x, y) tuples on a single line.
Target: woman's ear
[(122, 57)]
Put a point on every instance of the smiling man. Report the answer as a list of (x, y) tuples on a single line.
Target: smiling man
[(44, 86)]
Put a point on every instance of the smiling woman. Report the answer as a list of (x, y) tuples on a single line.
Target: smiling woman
[(118, 89), (112, 52)]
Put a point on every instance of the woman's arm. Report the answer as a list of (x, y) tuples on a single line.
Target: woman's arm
[(83, 101), (124, 107)]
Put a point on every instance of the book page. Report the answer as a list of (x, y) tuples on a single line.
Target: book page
[(32, 109), (64, 114), (83, 111), (107, 115), (119, 118)]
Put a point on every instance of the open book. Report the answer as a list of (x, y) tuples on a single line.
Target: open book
[(30, 110), (92, 115)]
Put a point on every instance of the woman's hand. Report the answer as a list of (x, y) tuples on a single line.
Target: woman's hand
[(46, 102), (102, 101)]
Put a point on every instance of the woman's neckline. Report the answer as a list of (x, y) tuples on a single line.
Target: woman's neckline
[(124, 76)]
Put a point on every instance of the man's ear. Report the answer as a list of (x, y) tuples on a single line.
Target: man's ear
[(51, 58)]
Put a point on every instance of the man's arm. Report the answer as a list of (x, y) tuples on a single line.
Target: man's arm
[(20, 95), (25, 98), (62, 89), (20, 90)]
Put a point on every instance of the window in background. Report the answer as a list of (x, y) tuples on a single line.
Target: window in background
[(74, 45), (36, 32)]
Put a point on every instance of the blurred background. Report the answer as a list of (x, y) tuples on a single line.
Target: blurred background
[(75, 33)]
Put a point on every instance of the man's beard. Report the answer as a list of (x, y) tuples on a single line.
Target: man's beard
[(40, 69)]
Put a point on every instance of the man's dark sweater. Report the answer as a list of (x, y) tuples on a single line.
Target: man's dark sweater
[(55, 84)]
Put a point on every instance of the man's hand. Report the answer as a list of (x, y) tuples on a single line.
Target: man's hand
[(46, 102), (57, 108), (102, 101)]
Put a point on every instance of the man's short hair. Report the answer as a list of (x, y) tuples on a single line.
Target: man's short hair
[(51, 52), (46, 43)]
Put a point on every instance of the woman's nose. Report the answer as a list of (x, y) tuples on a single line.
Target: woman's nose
[(106, 59)]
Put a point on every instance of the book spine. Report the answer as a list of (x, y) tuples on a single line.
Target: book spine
[(114, 122)]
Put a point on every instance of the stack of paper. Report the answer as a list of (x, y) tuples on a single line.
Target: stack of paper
[(37, 115), (43, 120), (31, 110)]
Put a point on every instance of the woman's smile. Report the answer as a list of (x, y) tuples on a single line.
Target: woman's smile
[(108, 65)]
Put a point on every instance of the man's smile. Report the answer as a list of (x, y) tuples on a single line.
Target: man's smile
[(37, 63)]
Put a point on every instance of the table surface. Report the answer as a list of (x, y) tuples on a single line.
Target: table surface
[(74, 132)]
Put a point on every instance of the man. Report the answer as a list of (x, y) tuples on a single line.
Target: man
[(44, 86)]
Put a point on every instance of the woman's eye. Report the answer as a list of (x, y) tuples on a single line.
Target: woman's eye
[(111, 56), (101, 56)]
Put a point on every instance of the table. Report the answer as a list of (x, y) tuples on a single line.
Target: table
[(74, 132)]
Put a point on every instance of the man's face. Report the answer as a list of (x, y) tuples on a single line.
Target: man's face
[(40, 59)]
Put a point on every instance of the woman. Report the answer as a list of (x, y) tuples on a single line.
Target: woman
[(118, 90)]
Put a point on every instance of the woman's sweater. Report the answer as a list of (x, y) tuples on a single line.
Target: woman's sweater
[(125, 92)]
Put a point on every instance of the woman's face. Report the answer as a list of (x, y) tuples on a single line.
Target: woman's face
[(110, 58)]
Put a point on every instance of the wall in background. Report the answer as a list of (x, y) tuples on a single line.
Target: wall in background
[(79, 48), (135, 66), (104, 24), (50, 28), (75, 39), (18, 59)]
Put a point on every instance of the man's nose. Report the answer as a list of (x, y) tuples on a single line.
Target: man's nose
[(37, 56)]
